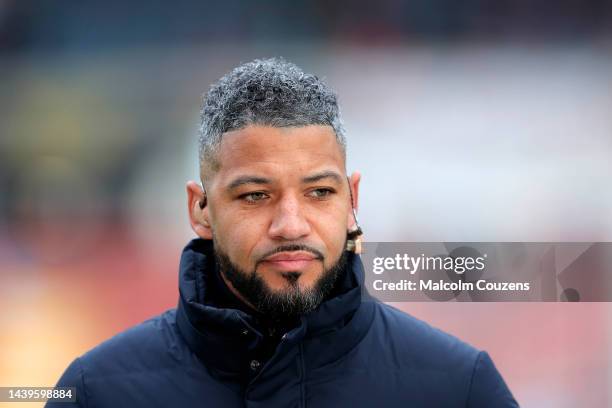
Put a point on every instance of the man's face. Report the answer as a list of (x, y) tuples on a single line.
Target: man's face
[(279, 204)]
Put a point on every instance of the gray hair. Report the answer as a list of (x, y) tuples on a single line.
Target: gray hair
[(269, 92)]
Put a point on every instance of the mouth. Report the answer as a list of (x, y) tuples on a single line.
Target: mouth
[(292, 261)]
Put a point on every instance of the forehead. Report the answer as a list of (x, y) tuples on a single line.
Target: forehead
[(279, 152)]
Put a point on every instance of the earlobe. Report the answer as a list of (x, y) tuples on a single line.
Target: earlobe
[(354, 240), (353, 182), (198, 210), (354, 185)]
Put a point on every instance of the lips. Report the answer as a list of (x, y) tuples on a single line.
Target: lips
[(291, 260)]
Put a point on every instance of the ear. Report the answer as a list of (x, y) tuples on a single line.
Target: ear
[(199, 215), (354, 180)]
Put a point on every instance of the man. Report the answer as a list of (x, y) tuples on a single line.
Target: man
[(271, 310)]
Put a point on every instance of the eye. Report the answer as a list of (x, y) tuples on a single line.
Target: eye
[(321, 193), (254, 197)]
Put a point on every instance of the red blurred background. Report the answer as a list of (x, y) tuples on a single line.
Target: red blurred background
[(469, 121)]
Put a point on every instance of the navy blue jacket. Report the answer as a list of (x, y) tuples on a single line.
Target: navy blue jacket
[(352, 351)]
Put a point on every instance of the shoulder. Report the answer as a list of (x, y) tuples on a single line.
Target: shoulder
[(440, 359), (132, 349), (419, 339), (106, 367), (136, 367)]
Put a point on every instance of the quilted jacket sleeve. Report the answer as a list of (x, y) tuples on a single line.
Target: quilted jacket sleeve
[(488, 388), (72, 377)]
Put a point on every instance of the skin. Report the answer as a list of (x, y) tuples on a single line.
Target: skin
[(276, 187)]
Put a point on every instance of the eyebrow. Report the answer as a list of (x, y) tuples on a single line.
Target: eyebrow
[(240, 181), (323, 175)]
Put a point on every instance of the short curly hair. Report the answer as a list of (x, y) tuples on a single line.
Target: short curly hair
[(270, 92)]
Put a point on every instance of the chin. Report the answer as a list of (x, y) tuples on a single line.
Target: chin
[(282, 280)]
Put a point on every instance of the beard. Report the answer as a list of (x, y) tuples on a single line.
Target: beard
[(288, 303)]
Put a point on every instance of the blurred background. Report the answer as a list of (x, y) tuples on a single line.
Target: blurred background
[(470, 121)]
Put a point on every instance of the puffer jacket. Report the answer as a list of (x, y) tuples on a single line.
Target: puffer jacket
[(352, 351)]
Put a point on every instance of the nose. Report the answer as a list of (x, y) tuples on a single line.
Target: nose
[(289, 223)]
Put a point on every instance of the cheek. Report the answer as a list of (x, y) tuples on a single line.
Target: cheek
[(332, 229), (238, 235)]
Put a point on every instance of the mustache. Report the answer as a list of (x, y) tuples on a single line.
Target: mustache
[(291, 248)]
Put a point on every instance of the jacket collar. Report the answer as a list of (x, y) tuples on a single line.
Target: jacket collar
[(224, 337)]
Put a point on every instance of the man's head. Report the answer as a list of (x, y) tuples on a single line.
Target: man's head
[(276, 199), (270, 92)]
